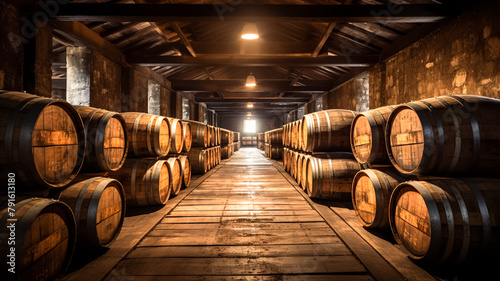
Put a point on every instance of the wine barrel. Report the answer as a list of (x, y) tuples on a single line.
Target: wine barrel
[(368, 136), (303, 169), (148, 135), (330, 176), (187, 136), (295, 134), (298, 169), (99, 207), (45, 235), (175, 175), (276, 152), (276, 137), (225, 137), (447, 220), (371, 191), (199, 133), (327, 130), (285, 158), (146, 182), (447, 135), (42, 141), (176, 135), (293, 164), (198, 159), (186, 170), (106, 139), (225, 151)]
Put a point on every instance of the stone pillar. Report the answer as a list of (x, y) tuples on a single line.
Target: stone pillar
[(78, 60)]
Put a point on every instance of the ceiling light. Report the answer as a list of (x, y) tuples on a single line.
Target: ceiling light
[(249, 113), (250, 31), (250, 81), (249, 105)]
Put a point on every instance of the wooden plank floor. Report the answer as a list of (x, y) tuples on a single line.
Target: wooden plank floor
[(244, 222)]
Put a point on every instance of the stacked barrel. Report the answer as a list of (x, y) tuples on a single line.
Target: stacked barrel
[(227, 143), (236, 141), (45, 144), (318, 154), (209, 144), (249, 140), (440, 196), (273, 144), (260, 141)]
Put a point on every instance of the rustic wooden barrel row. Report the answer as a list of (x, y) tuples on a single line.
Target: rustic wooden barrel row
[(43, 141), (98, 204), (368, 136), (202, 160), (291, 137), (447, 220), (447, 135), (106, 139), (148, 135), (146, 182), (45, 235)]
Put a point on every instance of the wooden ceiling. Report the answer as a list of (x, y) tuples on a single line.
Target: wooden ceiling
[(305, 47)]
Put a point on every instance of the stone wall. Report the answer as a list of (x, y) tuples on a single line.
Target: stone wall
[(461, 57)]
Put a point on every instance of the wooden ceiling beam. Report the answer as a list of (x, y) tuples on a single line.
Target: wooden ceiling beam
[(420, 13), (346, 61), (243, 89), (249, 48), (254, 100)]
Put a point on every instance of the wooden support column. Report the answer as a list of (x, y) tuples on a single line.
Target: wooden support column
[(38, 62), (176, 105), (11, 60)]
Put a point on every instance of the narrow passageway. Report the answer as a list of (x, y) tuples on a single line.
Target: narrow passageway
[(244, 222)]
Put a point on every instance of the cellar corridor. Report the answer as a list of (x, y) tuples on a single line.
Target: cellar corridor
[(246, 220)]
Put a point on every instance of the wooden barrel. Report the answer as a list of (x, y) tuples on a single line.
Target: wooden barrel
[(446, 135), (276, 137), (187, 136), (197, 157), (327, 130), (293, 163), (186, 170), (285, 158), (148, 135), (42, 141), (295, 135), (368, 136), (276, 152), (45, 235), (225, 151), (199, 134), (175, 175), (303, 169), (298, 169), (107, 145), (225, 136), (99, 207), (447, 220), (146, 182), (176, 135), (371, 191), (331, 176)]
